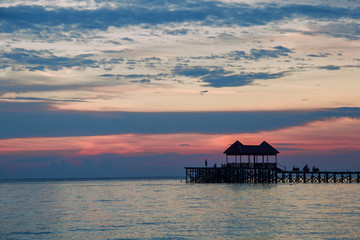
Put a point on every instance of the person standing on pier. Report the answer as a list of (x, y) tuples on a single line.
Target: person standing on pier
[(205, 162)]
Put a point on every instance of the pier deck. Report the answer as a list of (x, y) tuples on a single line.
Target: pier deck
[(266, 175)]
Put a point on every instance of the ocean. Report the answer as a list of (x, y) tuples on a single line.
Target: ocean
[(171, 209)]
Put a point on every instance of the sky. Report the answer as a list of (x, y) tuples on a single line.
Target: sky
[(144, 88)]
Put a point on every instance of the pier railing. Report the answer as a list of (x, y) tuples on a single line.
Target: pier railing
[(258, 174), (252, 165), (319, 177)]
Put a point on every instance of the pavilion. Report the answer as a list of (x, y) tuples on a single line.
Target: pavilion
[(252, 152), (255, 171)]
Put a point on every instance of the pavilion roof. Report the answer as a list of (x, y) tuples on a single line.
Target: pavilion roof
[(237, 148)]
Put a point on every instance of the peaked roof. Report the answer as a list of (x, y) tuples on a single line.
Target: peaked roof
[(237, 148)]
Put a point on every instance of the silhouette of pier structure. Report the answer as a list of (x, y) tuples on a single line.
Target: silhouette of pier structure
[(252, 165)]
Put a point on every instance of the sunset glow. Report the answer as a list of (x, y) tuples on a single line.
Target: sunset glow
[(314, 137), (116, 80)]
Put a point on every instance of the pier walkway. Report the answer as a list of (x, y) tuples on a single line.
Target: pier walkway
[(266, 175)]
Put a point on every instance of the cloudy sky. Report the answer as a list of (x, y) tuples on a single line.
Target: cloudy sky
[(144, 88)]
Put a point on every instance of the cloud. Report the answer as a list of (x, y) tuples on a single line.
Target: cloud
[(235, 80), (17, 86), (325, 135), (20, 59), (218, 77), (342, 29), (38, 18), (44, 99), (330, 67), (143, 78), (334, 136), (177, 32), (254, 54), (46, 84), (185, 145), (142, 81), (319, 55), (128, 39), (196, 71), (117, 43), (17, 117)]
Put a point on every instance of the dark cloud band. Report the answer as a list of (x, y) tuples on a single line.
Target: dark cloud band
[(38, 18), (44, 123)]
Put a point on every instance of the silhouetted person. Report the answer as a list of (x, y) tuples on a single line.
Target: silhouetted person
[(296, 169), (315, 169), (205, 162), (306, 168), (215, 165)]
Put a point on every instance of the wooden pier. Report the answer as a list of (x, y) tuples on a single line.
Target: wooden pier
[(266, 175), (253, 166)]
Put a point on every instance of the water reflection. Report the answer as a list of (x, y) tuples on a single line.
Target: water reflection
[(169, 209)]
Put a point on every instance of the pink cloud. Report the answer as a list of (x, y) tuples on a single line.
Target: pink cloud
[(318, 137), (325, 137)]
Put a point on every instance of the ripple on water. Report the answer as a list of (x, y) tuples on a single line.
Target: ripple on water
[(156, 209)]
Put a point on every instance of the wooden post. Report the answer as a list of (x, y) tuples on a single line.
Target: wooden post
[(326, 177)]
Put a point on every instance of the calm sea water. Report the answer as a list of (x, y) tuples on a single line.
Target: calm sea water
[(170, 209)]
